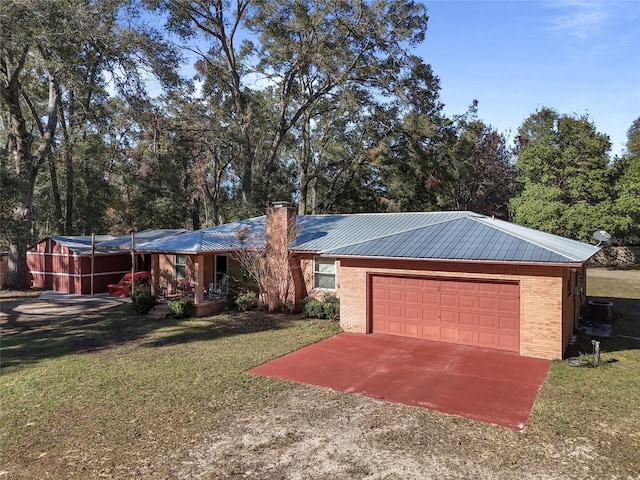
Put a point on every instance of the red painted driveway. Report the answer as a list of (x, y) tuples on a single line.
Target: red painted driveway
[(477, 383)]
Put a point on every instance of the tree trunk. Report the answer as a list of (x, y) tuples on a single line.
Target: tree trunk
[(248, 157), (314, 196), (55, 192), (68, 160), (27, 163), (195, 213), (215, 212), (303, 169)]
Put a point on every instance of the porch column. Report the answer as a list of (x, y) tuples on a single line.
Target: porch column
[(155, 274), (198, 296)]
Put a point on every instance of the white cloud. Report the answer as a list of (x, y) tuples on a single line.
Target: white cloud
[(582, 18)]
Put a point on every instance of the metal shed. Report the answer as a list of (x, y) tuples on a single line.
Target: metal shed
[(63, 263)]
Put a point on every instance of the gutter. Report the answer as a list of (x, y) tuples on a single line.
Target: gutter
[(459, 261)]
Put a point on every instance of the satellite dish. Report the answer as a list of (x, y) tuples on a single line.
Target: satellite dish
[(601, 236)]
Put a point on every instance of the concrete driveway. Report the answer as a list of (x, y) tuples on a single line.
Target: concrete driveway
[(481, 384)]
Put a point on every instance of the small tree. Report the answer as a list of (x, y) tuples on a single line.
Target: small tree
[(270, 268), (250, 255)]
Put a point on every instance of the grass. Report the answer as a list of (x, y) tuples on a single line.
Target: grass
[(601, 403), (157, 386), (114, 394)]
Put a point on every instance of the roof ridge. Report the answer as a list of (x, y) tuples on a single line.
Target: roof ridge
[(199, 240), (400, 232), (439, 212), (537, 244)]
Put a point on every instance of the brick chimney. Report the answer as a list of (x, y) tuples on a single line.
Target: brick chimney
[(281, 226), (280, 230)]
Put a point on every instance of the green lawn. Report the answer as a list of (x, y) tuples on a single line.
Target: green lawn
[(116, 395), (120, 379), (601, 404)]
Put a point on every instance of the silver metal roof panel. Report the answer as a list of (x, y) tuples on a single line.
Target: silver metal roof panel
[(80, 244), (214, 239), (140, 238), (471, 237), (434, 235), (324, 232)]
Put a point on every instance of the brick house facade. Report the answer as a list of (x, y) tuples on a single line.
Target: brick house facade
[(457, 277), (551, 294)]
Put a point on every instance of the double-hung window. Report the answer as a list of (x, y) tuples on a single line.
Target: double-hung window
[(180, 266), (324, 273)]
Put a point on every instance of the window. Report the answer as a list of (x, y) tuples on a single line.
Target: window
[(324, 273), (180, 265)]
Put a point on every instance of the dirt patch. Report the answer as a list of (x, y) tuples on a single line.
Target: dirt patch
[(19, 314), (304, 438), (320, 434)]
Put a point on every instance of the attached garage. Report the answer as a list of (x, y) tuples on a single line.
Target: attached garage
[(467, 312), (456, 277)]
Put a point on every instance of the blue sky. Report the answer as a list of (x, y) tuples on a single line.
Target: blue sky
[(575, 56)]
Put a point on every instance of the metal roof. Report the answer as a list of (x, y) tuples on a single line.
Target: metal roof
[(419, 235), (140, 238), (470, 237), (325, 232), (435, 235), (80, 244), (214, 239)]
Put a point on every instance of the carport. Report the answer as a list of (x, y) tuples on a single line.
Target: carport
[(478, 383)]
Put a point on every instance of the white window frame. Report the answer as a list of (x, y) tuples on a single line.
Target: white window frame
[(183, 274), (316, 273)]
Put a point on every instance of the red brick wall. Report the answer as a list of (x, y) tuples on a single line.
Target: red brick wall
[(542, 293), (306, 268), (164, 272)]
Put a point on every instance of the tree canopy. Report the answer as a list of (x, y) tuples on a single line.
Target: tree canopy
[(319, 102), (569, 182)]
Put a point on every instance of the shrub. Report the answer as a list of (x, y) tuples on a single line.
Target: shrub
[(247, 301), (312, 307), (328, 308), (331, 306), (283, 306), (181, 308), (142, 300), (230, 302)]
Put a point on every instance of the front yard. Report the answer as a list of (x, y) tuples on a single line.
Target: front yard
[(107, 393)]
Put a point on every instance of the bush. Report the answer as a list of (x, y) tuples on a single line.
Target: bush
[(230, 302), (247, 301), (142, 300), (285, 306), (328, 308), (181, 308), (331, 306), (312, 307)]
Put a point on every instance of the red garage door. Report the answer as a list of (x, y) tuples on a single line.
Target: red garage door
[(467, 312)]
